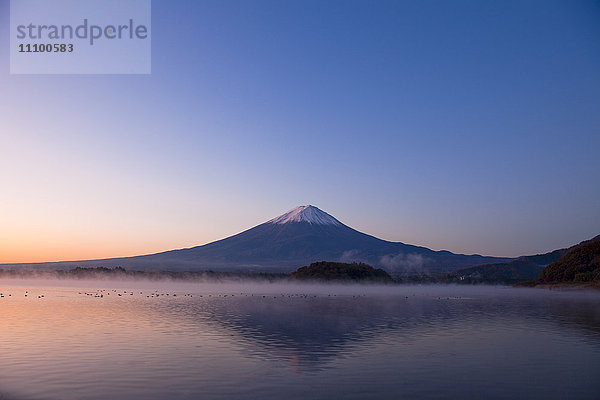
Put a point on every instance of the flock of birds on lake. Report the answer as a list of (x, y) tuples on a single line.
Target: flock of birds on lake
[(2, 295), (120, 293), (101, 293)]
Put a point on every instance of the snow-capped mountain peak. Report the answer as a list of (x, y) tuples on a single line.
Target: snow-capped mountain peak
[(309, 214)]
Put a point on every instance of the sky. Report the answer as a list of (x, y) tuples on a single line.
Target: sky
[(470, 126)]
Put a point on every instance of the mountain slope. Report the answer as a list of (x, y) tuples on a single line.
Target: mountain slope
[(522, 269), (556, 266), (580, 264), (299, 237)]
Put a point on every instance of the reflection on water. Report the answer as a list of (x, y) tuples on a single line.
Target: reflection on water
[(266, 341)]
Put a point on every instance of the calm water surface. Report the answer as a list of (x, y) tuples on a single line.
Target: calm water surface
[(296, 342)]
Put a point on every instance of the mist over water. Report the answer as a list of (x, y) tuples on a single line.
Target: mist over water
[(171, 340)]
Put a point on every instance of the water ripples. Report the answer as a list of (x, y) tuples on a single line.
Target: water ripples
[(417, 342)]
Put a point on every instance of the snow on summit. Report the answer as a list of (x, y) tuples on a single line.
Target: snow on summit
[(310, 214)]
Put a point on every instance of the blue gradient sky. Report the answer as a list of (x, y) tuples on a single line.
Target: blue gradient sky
[(472, 126)]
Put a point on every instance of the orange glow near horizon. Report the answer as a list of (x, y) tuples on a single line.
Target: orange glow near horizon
[(36, 252), (18, 249)]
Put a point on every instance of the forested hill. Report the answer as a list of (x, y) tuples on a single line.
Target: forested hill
[(580, 265), (328, 271)]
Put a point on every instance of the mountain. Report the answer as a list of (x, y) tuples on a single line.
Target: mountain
[(562, 265), (580, 264), (522, 269), (299, 237)]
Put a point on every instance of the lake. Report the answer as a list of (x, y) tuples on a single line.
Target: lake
[(161, 340)]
